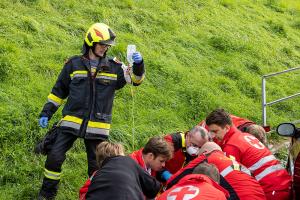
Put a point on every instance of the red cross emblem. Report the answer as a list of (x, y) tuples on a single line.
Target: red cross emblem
[(183, 193), (254, 141)]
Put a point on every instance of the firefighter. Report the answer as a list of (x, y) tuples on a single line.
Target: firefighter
[(249, 151), (89, 82), (202, 184), (154, 155)]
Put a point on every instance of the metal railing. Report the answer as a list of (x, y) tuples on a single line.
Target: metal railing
[(264, 99)]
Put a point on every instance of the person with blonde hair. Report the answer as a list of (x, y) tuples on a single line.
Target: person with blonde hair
[(119, 176)]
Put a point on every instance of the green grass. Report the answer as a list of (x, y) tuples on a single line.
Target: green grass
[(199, 55)]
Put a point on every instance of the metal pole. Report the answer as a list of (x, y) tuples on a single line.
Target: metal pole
[(264, 99), (282, 72), (284, 98), (264, 114)]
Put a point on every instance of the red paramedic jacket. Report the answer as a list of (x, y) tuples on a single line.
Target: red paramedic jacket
[(180, 157), (234, 177), (249, 151), (238, 177), (195, 187), (138, 157), (84, 189)]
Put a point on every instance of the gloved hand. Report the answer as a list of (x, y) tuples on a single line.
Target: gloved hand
[(166, 175), (43, 122), (137, 57)]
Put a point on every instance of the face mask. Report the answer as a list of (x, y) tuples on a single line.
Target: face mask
[(193, 151)]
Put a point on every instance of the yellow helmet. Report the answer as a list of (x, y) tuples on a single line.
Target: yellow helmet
[(99, 33)]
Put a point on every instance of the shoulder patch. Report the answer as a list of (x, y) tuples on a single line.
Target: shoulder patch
[(70, 59), (67, 60)]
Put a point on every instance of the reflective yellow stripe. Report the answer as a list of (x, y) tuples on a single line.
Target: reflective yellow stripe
[(137, 79), (231, 157), (78, 72), (107, 74), (54, 98), (98, 125), (236, 166), (182, 140), (52, 175), (72, 119)]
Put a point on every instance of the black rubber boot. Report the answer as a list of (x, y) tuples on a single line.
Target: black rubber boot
[(49, 189)]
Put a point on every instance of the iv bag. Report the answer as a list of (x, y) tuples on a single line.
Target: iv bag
[(131, 48)]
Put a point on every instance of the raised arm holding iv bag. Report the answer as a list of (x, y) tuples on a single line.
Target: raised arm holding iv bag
[(131, 48)]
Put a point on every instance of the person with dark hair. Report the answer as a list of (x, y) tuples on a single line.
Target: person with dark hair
[(119, 177), (88, 82), (249, 151), (154, 155), (247, 126), (201, 184)]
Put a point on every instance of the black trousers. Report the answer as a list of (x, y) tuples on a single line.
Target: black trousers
[(57, 155)]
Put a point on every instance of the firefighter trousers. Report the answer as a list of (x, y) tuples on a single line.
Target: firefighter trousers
[(56, 157)]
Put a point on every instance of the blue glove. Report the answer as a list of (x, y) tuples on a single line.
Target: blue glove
[(43, 122), (166, 175), (137, 57)]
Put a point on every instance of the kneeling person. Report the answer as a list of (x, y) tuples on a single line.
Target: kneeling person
[(202, 184), (246, 149), (186, 147), (120, 177), (154, 155)]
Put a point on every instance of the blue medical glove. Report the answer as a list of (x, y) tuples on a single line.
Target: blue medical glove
[(43, 122), (166, 175), (137, 57)]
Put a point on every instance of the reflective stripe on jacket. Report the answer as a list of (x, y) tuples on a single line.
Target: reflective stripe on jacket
[(249, 151), (180, 157), (90, 96), (233, 177)]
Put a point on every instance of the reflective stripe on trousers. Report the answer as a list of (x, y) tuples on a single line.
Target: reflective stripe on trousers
[(52, 175)]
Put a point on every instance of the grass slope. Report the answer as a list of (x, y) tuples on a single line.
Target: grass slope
[(199, 55)]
